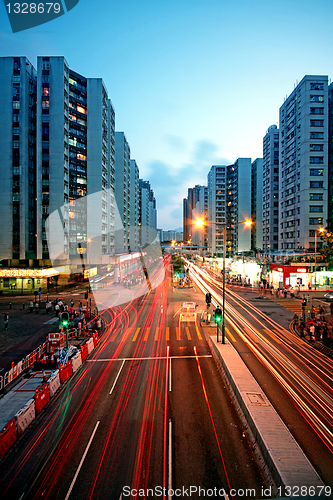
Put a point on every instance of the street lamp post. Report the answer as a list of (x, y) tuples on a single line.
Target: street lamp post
[(200, 223)]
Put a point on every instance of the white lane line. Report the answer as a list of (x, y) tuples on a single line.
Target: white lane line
[(148, 358), (82, 460), (114, 383), (177, 312), (170, 461), (170, 376)]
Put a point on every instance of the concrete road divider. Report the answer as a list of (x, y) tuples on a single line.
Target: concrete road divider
[(42, 397), (8, 436), (65, 371), (76, 361), (25, 416), (54, 383), (90, 345)]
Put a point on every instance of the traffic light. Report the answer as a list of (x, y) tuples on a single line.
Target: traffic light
[(218, 315), (64, 319), (208, 298)]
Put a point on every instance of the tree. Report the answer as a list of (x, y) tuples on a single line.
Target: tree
[(327, 237)]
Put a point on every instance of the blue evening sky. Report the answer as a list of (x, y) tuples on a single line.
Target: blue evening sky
[(193, 83)]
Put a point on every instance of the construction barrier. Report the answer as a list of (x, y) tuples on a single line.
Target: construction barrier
[(95, 338), (65, 371), (84, 352), (42, 397), (76, 361), (54, 383), (25, 416), (90, 345), (8, 436)]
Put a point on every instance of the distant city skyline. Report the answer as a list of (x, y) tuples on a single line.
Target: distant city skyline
[(192, 85)]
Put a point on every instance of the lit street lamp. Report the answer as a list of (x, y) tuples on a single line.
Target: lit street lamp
[(200, 223)]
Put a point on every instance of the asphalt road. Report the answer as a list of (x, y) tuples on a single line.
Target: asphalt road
[(295, 377), (147, 410)]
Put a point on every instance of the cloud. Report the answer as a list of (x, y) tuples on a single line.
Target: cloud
[(170, 183)]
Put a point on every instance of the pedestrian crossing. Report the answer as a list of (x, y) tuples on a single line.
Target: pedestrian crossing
[(168, 333), (294, 305)]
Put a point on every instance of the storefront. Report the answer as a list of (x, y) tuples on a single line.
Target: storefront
[(290, 276), (23, 280)]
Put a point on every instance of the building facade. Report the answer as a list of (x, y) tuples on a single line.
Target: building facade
[(18, 242), (270, 193), (239, 206), (303, 175), (122, 193), (217, 207), (148, 213), (256, 204)]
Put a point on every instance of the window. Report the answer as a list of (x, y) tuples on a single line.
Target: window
[(316, 98), (316, 208), (46, 91), (316, 135), (317, 159), (316, 184), (316, 111), (316, 86), (316, 147), (82, 110), (312, 233), (45, 104), (316, 171), (314, 222), (316, 123), (316, 196)]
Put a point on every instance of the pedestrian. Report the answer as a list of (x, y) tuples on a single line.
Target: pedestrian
[(80, 306), (36, 307), (57, 309), (6, 320), (285, 292), (312, 331), (47, 307)]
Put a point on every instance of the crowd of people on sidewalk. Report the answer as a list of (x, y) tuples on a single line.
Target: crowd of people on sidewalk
[(315, 326)]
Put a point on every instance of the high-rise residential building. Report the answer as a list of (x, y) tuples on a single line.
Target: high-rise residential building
[(122, 193), (148, 213), (270, 193), (134, 206), (303, 176), (256, 204), (18, 241), (200, 211), (75, 161), (239, 206), (217, 208), (190, 205), (330, 157)]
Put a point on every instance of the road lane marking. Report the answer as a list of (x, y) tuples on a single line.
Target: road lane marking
[(231, 335), (115, 334), (114, 383), (146, 334), (148, 358), (167, 333), (136, 334), (188, 333), (82, 460), (178, 332), (170, 461), (157, 332), (170, 387)]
